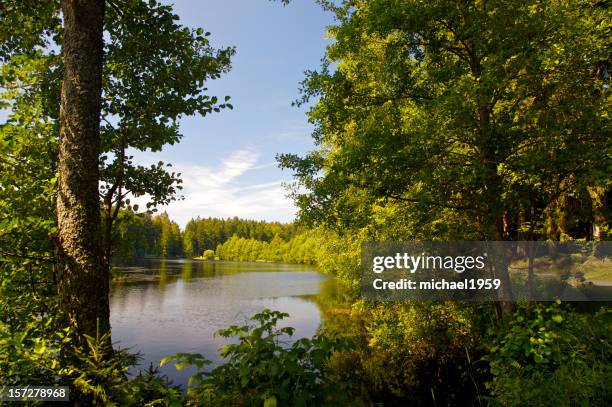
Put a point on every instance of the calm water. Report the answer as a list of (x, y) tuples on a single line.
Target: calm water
[(168, 306)]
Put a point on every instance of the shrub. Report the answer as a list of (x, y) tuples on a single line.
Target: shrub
[(97, 375), (261, 369), (550, 355), (413, 354), (209, 254)]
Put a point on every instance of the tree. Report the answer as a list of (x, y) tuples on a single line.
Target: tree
[(455, 113), (28, 168), (208, 254), (145, 90), (156, 71), (82, 278)]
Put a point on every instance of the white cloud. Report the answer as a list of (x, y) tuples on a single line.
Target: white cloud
[(222, 191)]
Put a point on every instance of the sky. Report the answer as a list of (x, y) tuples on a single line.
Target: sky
[(227, 159)]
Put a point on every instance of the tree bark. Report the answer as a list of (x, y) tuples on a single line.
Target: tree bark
[(82, 280), (494, 220), (501, 256), (494, 216)]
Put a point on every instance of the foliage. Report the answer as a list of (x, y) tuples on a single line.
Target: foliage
[(27, 202), (146, 90), (23, 358), (101, 380), (208, 254), (340, 255), (549, 354), (413, 354), (261, 368), (156, 72), (141, 235), (300, 249), (466, 114), (96, 376), (457, 121), (434, 120), (32, 356), (207, 233), (142, 111)]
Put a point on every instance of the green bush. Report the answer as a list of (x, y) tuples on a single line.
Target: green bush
[(550, 355), (209, 254), (96, 374), (417, 354), (261, 369)]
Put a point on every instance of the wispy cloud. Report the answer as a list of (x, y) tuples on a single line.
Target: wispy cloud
[(224, 190)]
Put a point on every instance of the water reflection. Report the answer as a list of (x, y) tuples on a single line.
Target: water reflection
[(161, 307)]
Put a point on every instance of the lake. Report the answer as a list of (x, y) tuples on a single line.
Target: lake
[(162, 307)]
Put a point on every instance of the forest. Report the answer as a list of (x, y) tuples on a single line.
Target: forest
[(145, 234), (434, 121), (234, 239)]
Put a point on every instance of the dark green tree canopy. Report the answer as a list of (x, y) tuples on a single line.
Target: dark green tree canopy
[(456, 110)]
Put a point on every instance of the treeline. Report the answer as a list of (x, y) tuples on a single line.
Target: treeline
[(145, 235), (207, 233), (232, 239), (300, 249)]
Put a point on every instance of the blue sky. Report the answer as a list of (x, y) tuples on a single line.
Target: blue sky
[(227, 158)]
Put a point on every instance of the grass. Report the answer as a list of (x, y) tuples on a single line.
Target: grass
[(595, 269)]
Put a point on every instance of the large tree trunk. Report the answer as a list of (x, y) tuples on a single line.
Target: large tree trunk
[(502, 256), (494, 220), (82, 279)]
